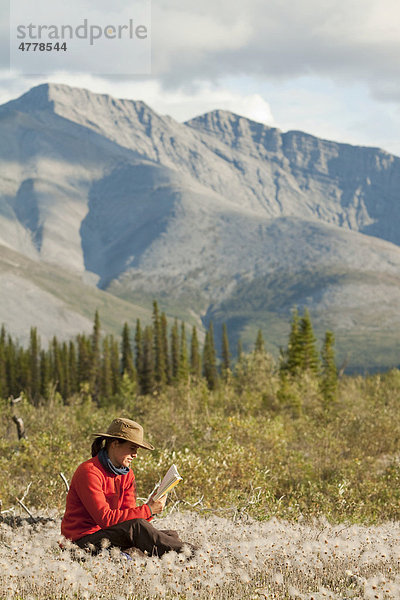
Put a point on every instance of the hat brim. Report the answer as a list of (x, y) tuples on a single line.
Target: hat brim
[(144, 444)]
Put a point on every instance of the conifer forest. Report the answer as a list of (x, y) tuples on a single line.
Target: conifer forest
[(152, 357)]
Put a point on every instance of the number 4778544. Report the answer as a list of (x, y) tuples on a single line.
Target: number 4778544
[(42, 46)]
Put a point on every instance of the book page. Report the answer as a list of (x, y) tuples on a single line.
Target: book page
[(171, 478)]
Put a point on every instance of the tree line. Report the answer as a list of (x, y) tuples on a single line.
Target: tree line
[(151, 357)]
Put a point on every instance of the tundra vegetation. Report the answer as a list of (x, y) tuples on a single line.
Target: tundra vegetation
[(291, 470)]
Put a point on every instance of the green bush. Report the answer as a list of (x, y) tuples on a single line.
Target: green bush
[(257, 444)]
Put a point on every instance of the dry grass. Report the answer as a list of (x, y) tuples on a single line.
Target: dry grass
[(246, 559)]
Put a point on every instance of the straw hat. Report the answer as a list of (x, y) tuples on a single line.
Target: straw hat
[(125, 429)]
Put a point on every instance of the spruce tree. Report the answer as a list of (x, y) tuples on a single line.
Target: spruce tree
[(329, 376), (183, 369), (95, 367), (23, 373), (34, 365), (73, 368), (159, 358), (195, 359), (127, 366), (292, 359), (175, 351), (209, 359), (57, 365), (65, 390), (139, 349), (106, 375), (226, 356), (11, 367), (164, 343), (45, 376), (23, 369), (115, 365), (147, 373), (309, 354), (259, 346), (84, 359)]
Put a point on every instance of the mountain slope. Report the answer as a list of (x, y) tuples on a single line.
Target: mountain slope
[(296, 174), (220, 217), (57, 302)]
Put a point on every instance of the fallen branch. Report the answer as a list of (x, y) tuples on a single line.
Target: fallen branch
[(21, 501), (9, 510), (3, 512), (26, 509)]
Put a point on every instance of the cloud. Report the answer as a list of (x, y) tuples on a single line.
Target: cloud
[(183, 105), (96, 39), (346, 40), (343, 40)]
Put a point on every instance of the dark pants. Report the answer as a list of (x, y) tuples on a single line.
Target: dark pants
[(135, 533)]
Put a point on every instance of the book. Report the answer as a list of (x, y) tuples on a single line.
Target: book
[(170, 480)]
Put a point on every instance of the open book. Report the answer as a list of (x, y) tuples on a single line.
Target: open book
[(171, 478)]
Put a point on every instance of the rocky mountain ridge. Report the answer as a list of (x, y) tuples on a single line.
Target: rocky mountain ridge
[(201, 214)]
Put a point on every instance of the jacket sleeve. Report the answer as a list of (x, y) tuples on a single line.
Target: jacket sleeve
[(90, 491), (129, 499)]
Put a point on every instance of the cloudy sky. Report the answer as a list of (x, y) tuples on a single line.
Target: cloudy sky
[(328, 67)]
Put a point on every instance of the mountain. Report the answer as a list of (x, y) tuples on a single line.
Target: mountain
[(57, 302), (218, 218)]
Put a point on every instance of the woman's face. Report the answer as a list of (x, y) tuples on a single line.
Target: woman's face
[(121, 455)]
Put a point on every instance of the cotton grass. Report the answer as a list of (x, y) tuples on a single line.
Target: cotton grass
[(246, 559)]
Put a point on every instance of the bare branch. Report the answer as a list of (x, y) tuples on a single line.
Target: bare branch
[(25, 508), (173, 507), (26, 491), (65, 481), (9, 510), (20, 427), (199, 501), (14, 401)]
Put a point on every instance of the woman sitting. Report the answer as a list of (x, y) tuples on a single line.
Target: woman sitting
[(101, 502)]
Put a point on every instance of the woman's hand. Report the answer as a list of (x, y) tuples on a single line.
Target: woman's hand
[(157, 506)]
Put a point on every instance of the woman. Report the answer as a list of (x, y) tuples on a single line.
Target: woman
[(101, 502)]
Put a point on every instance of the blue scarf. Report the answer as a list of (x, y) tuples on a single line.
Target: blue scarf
[(107, 464)]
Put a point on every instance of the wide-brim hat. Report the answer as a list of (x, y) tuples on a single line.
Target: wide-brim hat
[(125, 429)]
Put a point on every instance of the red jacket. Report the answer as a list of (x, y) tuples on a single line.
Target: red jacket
[(98, 499)]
